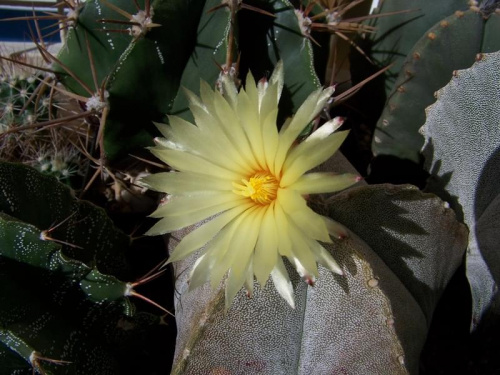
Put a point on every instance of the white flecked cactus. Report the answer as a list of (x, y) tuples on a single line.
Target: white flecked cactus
[(374, 319), (462, 146)]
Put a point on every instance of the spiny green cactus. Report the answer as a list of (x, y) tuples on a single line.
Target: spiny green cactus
[(465, 170), (26, 100), (15, 92), (60, 296), (138, 91), (449, 45)]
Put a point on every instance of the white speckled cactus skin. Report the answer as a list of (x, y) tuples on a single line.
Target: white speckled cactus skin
[(369, 321), (466, 170)]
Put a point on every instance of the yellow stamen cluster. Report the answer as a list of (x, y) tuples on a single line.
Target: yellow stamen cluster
[(262, 188)]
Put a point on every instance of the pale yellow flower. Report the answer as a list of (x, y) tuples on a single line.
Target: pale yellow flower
[(235, 166)]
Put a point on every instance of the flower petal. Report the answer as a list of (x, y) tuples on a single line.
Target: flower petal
[(186, 162), (232, 128), (216, 249), (326, 129), (229, 90), (266, 253), (307, 156), (199, 273), (334, 228), (278, 78), (302, 256), (317, 183), (306, 113), (250, 121), (269, 101), (205, 144), (184, 183), (324, 258), (284, 243), (270, 139), (187, 204), (207, 96), (248, 284), (251, 90), (302, 216), (243, 246), (169, 224), (282, 282), (234, 233), (202, 235)]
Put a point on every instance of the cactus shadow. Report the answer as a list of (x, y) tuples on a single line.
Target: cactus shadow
[(390, 222), (437, 182), (487, 216)]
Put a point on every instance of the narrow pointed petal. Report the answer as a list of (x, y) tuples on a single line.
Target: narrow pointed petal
[(266, 253), (250, 121), (186, 204), (233, 232), (326, 129), (270, 138), (318, 183), (327, 145), (302, 216), (214, 253), (282, 282), (305, 157), (202, 235), (251, 89), (278, 78), (335, 229), (281, 220), (186, 162), (192, 98), (230, 123), (306, 113), (269, 101), (224, 134), (248, 284), (301, 252), (243, 245), (202, 143), (185, 183), (324, 258), (170, 224), (199, 274), (230, 91), (207, 96)]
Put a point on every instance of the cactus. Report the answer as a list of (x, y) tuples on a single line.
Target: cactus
[(27, 100), (144, 90), (395, 36), (449, 45), (386, 299), (63, 306), (465, 171)]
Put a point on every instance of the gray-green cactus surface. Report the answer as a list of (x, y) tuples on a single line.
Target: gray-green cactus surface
[(450, 44), (462, 133), (393, 279)]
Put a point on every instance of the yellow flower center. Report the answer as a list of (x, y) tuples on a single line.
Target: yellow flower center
[(262, 188)]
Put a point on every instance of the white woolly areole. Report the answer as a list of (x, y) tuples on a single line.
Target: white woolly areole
[(144, 22), (95, 103), (304, 23)]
